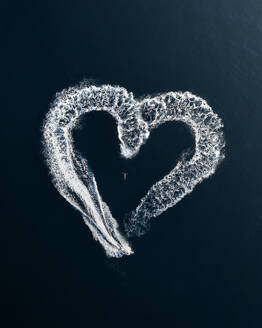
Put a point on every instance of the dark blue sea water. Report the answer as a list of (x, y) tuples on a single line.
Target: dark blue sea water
[(200, 265)]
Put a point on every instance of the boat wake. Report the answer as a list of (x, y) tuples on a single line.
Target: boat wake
[(75, 180)]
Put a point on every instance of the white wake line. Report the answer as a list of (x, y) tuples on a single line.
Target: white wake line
[(75, 181)]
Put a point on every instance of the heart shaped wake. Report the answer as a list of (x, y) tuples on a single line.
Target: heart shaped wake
[(135, 119)]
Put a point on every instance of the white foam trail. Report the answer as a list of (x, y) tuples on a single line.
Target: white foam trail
[(207, 129), (74, 179), (71, 174)]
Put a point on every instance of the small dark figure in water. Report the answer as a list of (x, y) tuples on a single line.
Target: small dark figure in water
[(124, 175)]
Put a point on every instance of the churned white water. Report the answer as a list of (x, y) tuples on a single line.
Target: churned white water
[(75, 180)]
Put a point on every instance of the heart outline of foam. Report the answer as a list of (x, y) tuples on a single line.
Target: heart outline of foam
[(135, 119)]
